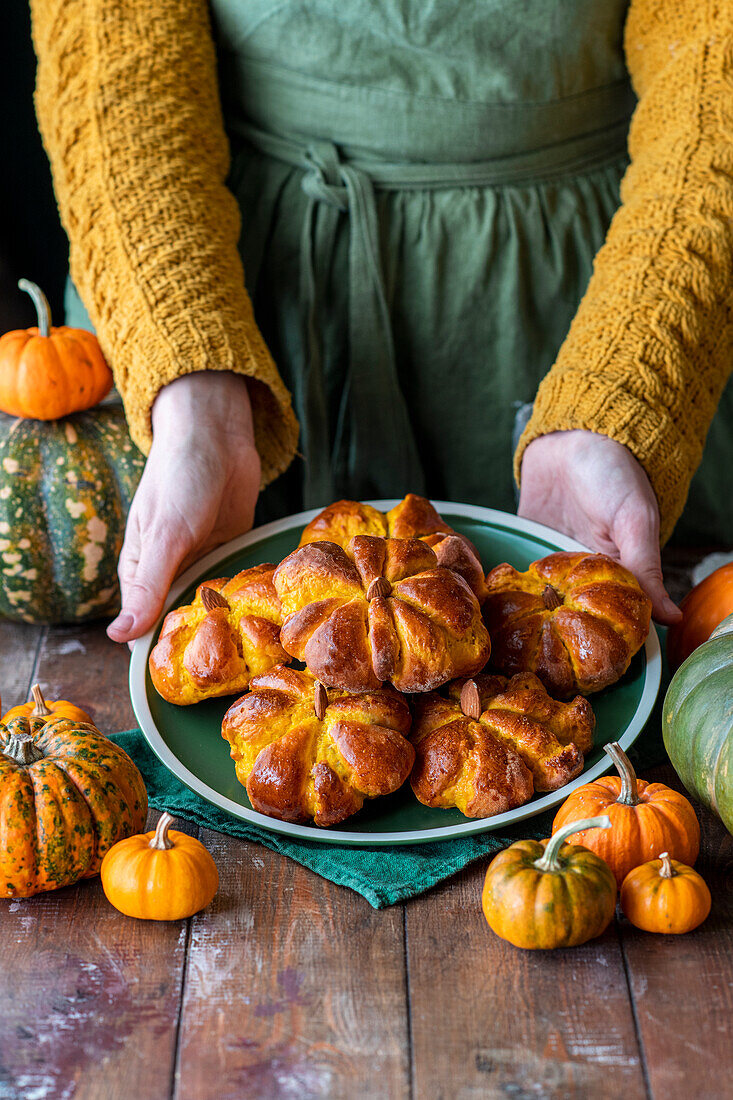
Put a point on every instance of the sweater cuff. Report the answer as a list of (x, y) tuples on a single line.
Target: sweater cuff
[(572, 401), (275, 425)]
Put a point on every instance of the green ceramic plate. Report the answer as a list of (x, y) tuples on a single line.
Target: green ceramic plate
[(189, 742)]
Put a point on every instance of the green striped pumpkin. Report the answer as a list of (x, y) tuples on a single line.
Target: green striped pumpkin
[(65, 490), (698, 723)]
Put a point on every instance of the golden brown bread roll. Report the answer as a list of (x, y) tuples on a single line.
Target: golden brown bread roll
[(215, 645), (303, 752), (413, 518), (383, 610), (574, 619), (493, 742)]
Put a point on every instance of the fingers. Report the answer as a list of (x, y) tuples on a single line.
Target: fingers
[(119, 629), (144, 583), (638, 546)]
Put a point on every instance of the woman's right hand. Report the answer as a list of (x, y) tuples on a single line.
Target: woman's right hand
[(199, 489)]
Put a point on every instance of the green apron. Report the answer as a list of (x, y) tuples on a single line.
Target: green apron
[(423, 185)]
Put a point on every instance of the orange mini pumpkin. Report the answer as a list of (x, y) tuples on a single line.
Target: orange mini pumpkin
[(161, 875), (665, 896), (47, 373), (645, 817), (703, 608), (38, 707)]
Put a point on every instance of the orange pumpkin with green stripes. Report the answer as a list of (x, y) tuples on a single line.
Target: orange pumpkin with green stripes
[(67, 795)]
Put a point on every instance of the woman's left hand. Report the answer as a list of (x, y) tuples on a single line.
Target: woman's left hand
[(593, 489)]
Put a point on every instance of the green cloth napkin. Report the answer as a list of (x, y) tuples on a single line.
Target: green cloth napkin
[(383, 876)]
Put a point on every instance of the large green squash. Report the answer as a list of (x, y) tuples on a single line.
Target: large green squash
[(698, 723), (65, 490)]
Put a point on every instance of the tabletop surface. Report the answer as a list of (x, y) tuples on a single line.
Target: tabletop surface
[(288, 986)]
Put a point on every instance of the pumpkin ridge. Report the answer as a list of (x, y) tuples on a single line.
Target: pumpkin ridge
[(698, 743), (61, 859), (95, 427), (106, 790), (723, 757), (47, 458), (19, 856)]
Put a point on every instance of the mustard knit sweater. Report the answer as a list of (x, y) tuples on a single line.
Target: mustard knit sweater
[(128, 106)]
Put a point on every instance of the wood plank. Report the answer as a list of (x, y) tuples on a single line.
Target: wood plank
[(682, 986), (90, 999), (81, 664), (294, 987), (491, 1020), (19, 644)]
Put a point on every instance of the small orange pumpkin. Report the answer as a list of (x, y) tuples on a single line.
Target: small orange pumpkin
[(38, 707), (162, 875), (47, 373), (546, 894), (703, 608), (665, 896), (645, 817)]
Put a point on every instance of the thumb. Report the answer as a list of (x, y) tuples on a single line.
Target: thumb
[(145, 583), (639, 552)]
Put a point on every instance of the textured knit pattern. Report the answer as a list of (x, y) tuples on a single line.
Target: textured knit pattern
[(128, 106), (129, 111), (651, 345)]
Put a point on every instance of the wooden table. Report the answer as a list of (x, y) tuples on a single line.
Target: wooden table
[(290, 987)]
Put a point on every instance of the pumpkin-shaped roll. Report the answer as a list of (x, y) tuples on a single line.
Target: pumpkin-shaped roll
[(493, 742), (303, 752), (67, 794), (413, 518), (574, 619), (215, 645), (381, 611)]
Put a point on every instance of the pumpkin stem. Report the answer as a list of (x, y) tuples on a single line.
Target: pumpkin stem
[(629, 791), (40, 301), (666, 870), (549, 861), (161, 840), (40, 709), (21, 748)]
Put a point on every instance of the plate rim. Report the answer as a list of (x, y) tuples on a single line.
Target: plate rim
[(471, 827)]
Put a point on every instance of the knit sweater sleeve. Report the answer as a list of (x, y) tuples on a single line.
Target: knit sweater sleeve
[(651, 346), (129, 111)]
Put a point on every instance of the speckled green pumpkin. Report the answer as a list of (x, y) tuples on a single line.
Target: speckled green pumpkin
[(65, 491), (698, 723), (67, 795)]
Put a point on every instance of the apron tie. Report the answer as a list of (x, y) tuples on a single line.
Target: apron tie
[(373, 452)]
